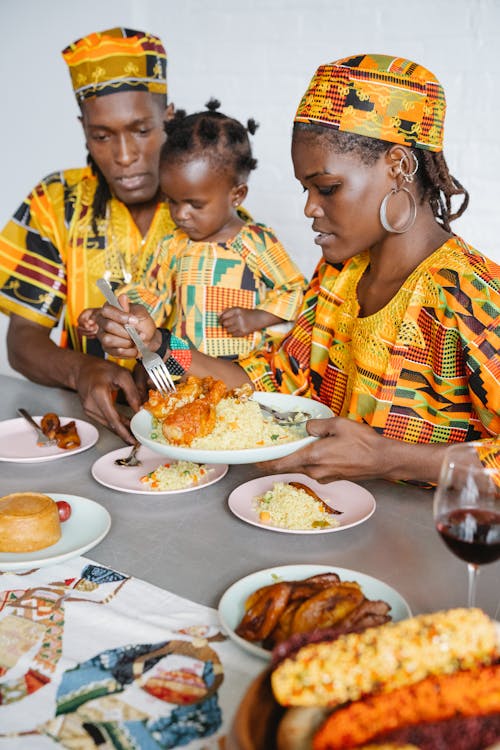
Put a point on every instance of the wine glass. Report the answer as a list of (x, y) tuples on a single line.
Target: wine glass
[(467, 505)]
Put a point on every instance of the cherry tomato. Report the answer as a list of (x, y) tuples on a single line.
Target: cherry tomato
[(64, 509)]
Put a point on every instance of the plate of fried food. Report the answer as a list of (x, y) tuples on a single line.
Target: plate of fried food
[(205, 422), (428, 681), (271, 608), (297, 504), (18, 440)]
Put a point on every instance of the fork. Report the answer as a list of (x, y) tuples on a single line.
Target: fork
[(42, 440), (153, 363), (131, 459), (286, 417)]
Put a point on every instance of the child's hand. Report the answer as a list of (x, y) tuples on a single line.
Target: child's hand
[(240, 321), (87, 323), (112, 334)]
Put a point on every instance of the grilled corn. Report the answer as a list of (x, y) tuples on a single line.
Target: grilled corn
[(386, 657)]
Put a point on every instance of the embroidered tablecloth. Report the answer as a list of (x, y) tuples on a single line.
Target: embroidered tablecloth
[(90, 657)]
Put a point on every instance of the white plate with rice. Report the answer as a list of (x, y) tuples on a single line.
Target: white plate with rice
[(232, 604), (239, 425), (170, 476), (291, 512)]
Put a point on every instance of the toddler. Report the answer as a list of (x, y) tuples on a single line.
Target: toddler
[(220, 280)]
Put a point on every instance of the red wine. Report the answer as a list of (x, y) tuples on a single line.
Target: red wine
[(472, 534)]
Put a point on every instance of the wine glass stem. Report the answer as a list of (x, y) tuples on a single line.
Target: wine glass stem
[(473, 576)]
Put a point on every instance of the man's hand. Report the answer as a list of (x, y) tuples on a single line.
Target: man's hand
[(112, 334), (98, 384), (97, 381)]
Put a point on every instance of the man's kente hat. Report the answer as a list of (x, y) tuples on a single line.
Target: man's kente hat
[(106, 62), (378, 96)]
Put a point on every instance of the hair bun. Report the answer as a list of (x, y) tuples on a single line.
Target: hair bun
[(212, 105), (252, 126)]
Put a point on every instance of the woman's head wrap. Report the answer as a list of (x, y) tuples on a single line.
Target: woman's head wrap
[(116, 60), (378, 96)]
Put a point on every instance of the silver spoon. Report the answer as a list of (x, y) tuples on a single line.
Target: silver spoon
[(286, 417), (131, 459)]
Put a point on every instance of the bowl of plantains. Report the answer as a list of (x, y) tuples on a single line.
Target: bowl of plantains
[(430, 681)]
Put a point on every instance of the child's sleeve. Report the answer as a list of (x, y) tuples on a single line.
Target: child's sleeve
[(283, 283), (285, 365), (155, 290)]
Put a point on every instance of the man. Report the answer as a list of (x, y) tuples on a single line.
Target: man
[(102, 220)]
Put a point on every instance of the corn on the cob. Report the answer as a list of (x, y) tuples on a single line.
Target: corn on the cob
[(386, 657)]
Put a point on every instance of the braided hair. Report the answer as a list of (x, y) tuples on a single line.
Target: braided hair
[(101, 196), (436, 183), (212, 135)]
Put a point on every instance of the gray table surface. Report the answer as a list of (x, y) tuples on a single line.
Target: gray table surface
[(191, 544)]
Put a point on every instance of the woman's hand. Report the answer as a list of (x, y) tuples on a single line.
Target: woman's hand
[(345, 450), (112, 334), (350, 450)]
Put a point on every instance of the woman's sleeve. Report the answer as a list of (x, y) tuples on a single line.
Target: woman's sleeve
[(473, 301), (483, 363)]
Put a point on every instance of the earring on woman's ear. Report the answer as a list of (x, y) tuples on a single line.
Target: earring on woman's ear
[(383, 211), (407, 177)]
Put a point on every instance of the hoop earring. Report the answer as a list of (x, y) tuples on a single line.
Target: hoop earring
[(383, 211), (408, 176)]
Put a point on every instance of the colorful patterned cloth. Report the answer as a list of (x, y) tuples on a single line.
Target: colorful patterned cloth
[(90, 657), (378, 96), (50, 255), (424, 369), (116, 60), (191, 283)]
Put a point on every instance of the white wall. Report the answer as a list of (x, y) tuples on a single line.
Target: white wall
[(257, 57)]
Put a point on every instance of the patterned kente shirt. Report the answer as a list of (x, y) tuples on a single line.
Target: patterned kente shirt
[(50, 255), (191, 283), (424, 369)]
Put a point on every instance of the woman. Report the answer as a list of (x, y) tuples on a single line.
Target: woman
[(399, 331)]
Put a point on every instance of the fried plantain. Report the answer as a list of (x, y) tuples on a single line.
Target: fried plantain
[(309, 491), (328, 607), (50, 424), (313, 585), (67, 436), (283, 628), (261, 617)]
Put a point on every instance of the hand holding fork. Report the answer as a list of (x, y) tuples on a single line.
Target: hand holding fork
[(153, 363)]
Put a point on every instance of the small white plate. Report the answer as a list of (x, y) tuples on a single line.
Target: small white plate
[(232, 604), (18, 441), (128, 478), (85, 528), (142, 421), (356, 503)]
